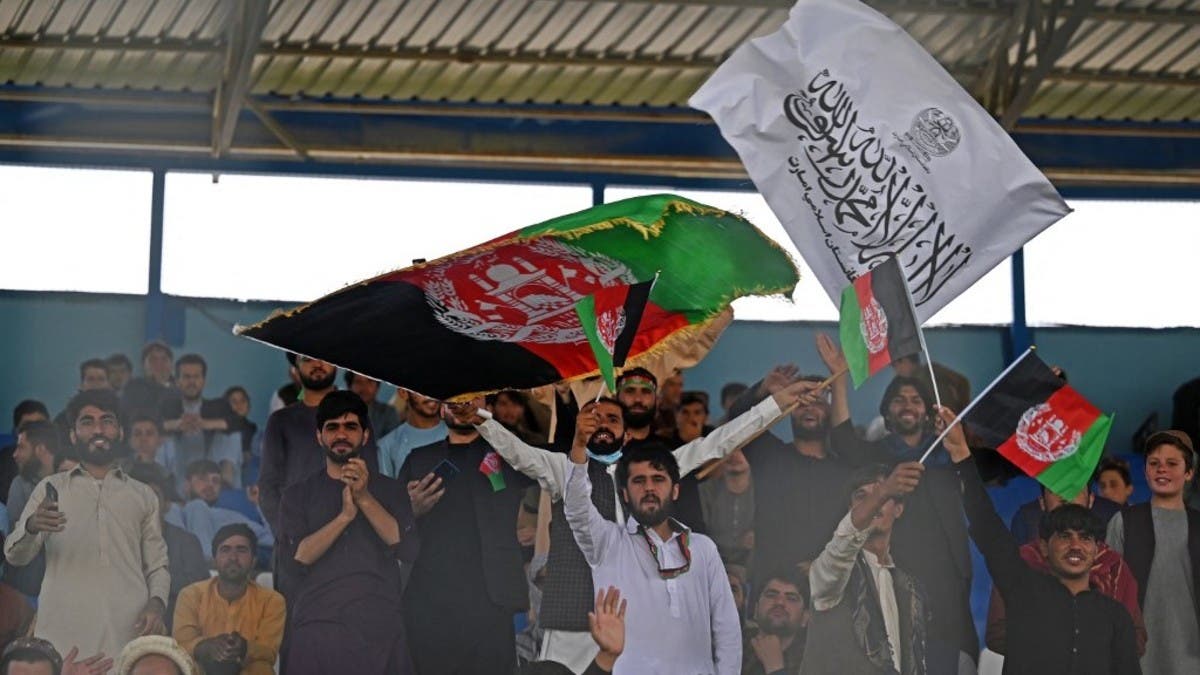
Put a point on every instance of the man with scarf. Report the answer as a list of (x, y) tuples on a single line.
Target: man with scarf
[(342, 528), (869, 616), (568, 595)]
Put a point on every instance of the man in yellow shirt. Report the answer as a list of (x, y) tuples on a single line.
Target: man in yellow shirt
[(230, 624)]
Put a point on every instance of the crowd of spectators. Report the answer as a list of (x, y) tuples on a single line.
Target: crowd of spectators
[(151, 529)]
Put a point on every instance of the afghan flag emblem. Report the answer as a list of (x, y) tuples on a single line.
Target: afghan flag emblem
[(1042, 425), (878, 323), (503, 314), (610, 318), (493, 469)]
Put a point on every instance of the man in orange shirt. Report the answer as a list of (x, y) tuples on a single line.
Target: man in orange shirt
[(228, 623)]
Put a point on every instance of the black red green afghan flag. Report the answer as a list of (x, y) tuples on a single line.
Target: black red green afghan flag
[(878, 323), (1042, 425), (502, 314), (610, 319)]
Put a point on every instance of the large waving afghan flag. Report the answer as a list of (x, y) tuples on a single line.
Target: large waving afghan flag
[(1042, 425), (502, 314), (878, 323)]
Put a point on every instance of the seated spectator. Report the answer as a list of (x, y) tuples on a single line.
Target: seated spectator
[(39, 448), (201, 427), (148, 393), (1059, 623), (28, 410), (728, 504), (1161, 542), (869, 616), (238, 400), (383, 417), (185, 556), (201, 515), (229, 623), (776, 643), (1024, 525), (1109, 575), (289, 393), (93, 374), (30, 656), (16, 617), (691, 419), (155, 655), (151, 446), (120, 370), (1114, 482)]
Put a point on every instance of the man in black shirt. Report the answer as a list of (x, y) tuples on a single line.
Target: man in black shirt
[(1057, 624)]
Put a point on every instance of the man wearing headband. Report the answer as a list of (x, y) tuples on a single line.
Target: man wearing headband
[(568, 593)]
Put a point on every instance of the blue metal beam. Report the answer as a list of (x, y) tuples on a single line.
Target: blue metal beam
[(1018, 332), (155, 328)]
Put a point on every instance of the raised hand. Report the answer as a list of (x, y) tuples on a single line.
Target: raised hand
[(425, 493), (798, 393), (607, 622), (47, 518), (955, 441), (779, 377), (831, 354), (903, 479)]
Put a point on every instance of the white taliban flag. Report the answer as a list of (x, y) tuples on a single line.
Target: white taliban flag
[(864, 147)]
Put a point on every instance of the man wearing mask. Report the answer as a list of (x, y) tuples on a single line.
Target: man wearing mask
[(106, 577)]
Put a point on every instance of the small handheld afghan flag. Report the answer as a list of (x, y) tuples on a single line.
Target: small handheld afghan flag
[(878, 323), (1042, 425), (492, 468), (610, 319)]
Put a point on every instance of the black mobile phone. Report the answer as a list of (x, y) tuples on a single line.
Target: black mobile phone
[(445, 470), (52, 494)]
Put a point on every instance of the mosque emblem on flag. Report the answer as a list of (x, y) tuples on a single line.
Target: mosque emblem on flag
[(609, 325), (520, 292), (934, 132), (874, 327), (1045, 436)]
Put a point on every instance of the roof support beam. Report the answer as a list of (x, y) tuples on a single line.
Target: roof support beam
[(1052, 40), (247, 18)]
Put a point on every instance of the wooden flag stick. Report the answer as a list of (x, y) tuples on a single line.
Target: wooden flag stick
[(712, 465)]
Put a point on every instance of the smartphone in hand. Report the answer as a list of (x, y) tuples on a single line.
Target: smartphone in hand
[(445, 470), (52, 495)]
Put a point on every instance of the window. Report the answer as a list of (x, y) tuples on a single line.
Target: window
[(75, 229), (298, 238)]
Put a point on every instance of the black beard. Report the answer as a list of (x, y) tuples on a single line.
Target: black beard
[(98, 455), (605, 446), (802, 433), (318, 385), (341, 459), (32, 471), (638, 419), (453, 425), (665, 510)]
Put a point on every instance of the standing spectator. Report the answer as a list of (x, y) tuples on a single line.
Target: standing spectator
[(683, 619), (228, 623), (730, 393), (120, 370), (468, 579), (869, 614), (39, 447), (149, 392), (201, 426), (1059, 624), (106, 577), (424, 427), (384, 417), (1024, 525), (289, 393), (930, 542), (185, 556), (28, 410), (511, 409), (691, 418), (780, 618), (1114, 481), (670, 395), (342, 525), (201, 515), (1161, 542), (728, 503)]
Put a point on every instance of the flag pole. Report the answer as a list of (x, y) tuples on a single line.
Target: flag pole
[(970, 406), (937, 396)]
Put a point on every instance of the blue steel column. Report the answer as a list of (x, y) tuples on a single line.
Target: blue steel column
[(597, 194), (1019, 332), (154, 295)]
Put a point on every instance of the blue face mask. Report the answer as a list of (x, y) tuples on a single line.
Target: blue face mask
[(610, 458)]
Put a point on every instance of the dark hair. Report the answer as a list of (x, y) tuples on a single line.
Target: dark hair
[(143, 416), (156, 346), (349, 375), (637, 372), (865, 475), (118, 359), (893, 390), (235, 389), (656, 453), (1070, 517), (788, 575), (192, 360), (28, 407), (1175, 439), (31, 650), (41, 432), (104, 399), (339, 402), (234, 530), (201, 467), (511, 394), (1115, 464), (151, 474), (90, 364), (690, 397), (733, 389)]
